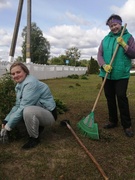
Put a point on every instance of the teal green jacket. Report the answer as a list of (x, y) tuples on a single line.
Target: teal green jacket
[(122, 63)]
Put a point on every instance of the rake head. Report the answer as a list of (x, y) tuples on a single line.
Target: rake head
[(88, 127)]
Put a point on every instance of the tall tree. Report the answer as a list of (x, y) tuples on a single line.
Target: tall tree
[(73, 54), (40, 47), (93, 67)]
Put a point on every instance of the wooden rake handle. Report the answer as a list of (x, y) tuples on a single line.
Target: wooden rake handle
[(88, 153), (103, 83)]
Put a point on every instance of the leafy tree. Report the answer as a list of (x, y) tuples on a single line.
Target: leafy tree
[(19, 58), (84, 63), (56, 61), (93, 67), (61, 60), (40, 47), (73, 54)]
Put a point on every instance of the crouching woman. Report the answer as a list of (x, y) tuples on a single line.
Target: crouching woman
[(34, 104)]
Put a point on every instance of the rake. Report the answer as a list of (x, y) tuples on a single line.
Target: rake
[(67, 123), (87, 125)]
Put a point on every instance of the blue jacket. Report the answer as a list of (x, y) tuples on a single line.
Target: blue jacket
[(30, 92)]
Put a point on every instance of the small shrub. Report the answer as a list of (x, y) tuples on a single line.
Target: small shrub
[(74, 76), (84, 77), (61, 107), (7, 95), (71, 86), (77, 84)]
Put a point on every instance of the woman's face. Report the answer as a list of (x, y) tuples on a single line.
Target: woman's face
[(115, 27), (18, 74)]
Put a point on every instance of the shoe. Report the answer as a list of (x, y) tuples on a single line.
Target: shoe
[(129, 132), (32, 142), (110, 125)]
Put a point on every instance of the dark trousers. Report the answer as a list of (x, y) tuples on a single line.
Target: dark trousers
[(115, 93)]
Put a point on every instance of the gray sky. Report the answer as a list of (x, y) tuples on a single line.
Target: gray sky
[(65, 23)]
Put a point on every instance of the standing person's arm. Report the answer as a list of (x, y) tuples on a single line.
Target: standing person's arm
[(129, 47), (100, 59)]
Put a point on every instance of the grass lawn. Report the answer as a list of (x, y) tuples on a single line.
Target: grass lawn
[(59, 156)]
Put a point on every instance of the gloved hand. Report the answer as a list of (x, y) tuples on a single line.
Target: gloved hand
[(3, 132), (107, 68), (4, 136), (121, 42)]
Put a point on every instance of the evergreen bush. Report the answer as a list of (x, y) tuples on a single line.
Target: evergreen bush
[(7, 95)]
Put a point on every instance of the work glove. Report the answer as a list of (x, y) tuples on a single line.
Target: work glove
[(3, 132), (4, 136), (107, 68), (121, 42)]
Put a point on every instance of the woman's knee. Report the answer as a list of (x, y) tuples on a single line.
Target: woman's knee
[(27, 111)]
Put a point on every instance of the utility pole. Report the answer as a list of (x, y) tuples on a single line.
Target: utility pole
[(15, 34), (28, 40)]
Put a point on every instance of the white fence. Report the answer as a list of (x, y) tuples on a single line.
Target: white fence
[(47, 71)]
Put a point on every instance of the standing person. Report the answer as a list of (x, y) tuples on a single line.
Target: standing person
[(116, 84), (34, 104)]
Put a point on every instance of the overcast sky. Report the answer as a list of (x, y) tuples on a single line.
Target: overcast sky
[(65, 23)]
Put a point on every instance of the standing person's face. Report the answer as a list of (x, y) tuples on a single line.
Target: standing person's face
[(115, 27), (18, 74)]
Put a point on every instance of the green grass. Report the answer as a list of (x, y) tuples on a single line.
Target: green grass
[(59, 156)]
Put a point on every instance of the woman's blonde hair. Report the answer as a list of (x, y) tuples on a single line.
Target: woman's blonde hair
[(24, 68)]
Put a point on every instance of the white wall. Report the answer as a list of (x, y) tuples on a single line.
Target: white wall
[(47, 71)]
